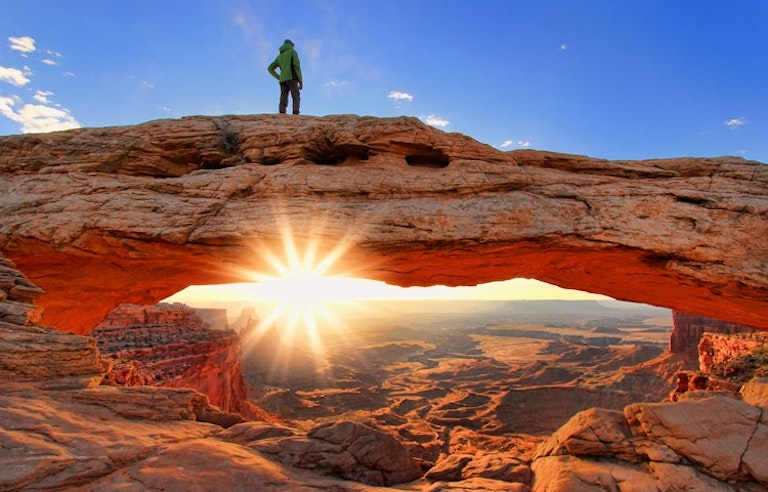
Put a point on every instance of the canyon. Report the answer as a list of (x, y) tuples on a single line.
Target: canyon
[(135, 214), (65, 425)]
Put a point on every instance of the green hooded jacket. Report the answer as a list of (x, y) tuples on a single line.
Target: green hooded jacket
[(288, 61)]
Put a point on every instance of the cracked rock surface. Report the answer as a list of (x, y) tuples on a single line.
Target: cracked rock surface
[(135, 214)]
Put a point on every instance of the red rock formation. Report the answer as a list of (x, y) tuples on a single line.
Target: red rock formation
[(700, 381), (718, 353), (176, 349), (135, 214), (30, 352), (689, 328), (705, 343), (62, 430)]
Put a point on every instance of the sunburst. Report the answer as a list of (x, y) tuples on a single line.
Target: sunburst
[(304, 288)]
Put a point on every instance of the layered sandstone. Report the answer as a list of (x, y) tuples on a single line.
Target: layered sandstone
[(174, 347), (688, 330), (135, 214), (719, 356)]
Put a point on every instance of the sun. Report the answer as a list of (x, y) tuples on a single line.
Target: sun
[(300, 284)]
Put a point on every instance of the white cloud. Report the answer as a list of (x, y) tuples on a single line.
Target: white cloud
[(400, 96), (146, 85), (519, 143), (48, 61), (734, 123), (433, 120), (25, 44), (42, 96), (37, 118), (563, 47), (13, 76)]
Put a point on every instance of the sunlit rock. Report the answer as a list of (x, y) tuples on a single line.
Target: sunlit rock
[(175, 348), (135, 214), (712, 442)]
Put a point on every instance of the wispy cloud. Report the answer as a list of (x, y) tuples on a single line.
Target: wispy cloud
[(519, 143), (336, 84), (52, 55), (24, 44), (37, 118), (563, 47), (14, 76), (400, 96), (42, 96), (433, 120), (734, 123)]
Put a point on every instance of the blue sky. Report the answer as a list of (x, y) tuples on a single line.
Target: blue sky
[(615, 79)]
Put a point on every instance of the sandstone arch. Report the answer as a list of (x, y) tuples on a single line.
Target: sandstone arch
[(133, 214)]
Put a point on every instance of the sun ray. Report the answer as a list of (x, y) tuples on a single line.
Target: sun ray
[(299, 279)]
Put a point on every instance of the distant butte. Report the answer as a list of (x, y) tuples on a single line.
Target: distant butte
[(103, 216)]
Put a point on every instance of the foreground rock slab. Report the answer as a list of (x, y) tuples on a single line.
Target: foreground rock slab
[(135, 214), (703, 442)]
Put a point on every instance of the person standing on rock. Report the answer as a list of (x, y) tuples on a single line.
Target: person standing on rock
[(289, 77)]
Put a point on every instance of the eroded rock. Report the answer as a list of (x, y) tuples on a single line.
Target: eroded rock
[(345, 449), (711, 442), (169, 345), (135, 214)]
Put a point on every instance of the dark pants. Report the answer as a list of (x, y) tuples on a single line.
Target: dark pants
[(291, 86)]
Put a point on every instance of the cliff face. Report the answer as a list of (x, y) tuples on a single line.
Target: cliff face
[(135, 214), (718, 355), (176, 349), (688, 330)]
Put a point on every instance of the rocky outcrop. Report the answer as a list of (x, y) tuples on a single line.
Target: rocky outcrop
[(32, 353), (504, 467), (706, 442), (344, 449), (246, 320), (688, 329), (736, 356), (727, 356), (135, 214), (63, 430), (175, 348)]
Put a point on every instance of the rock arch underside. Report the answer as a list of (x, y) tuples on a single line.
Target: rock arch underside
[(99, 217)]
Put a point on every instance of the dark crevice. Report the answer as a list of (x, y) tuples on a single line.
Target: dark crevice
[(700, 201), (428, 158), (330, 154)]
